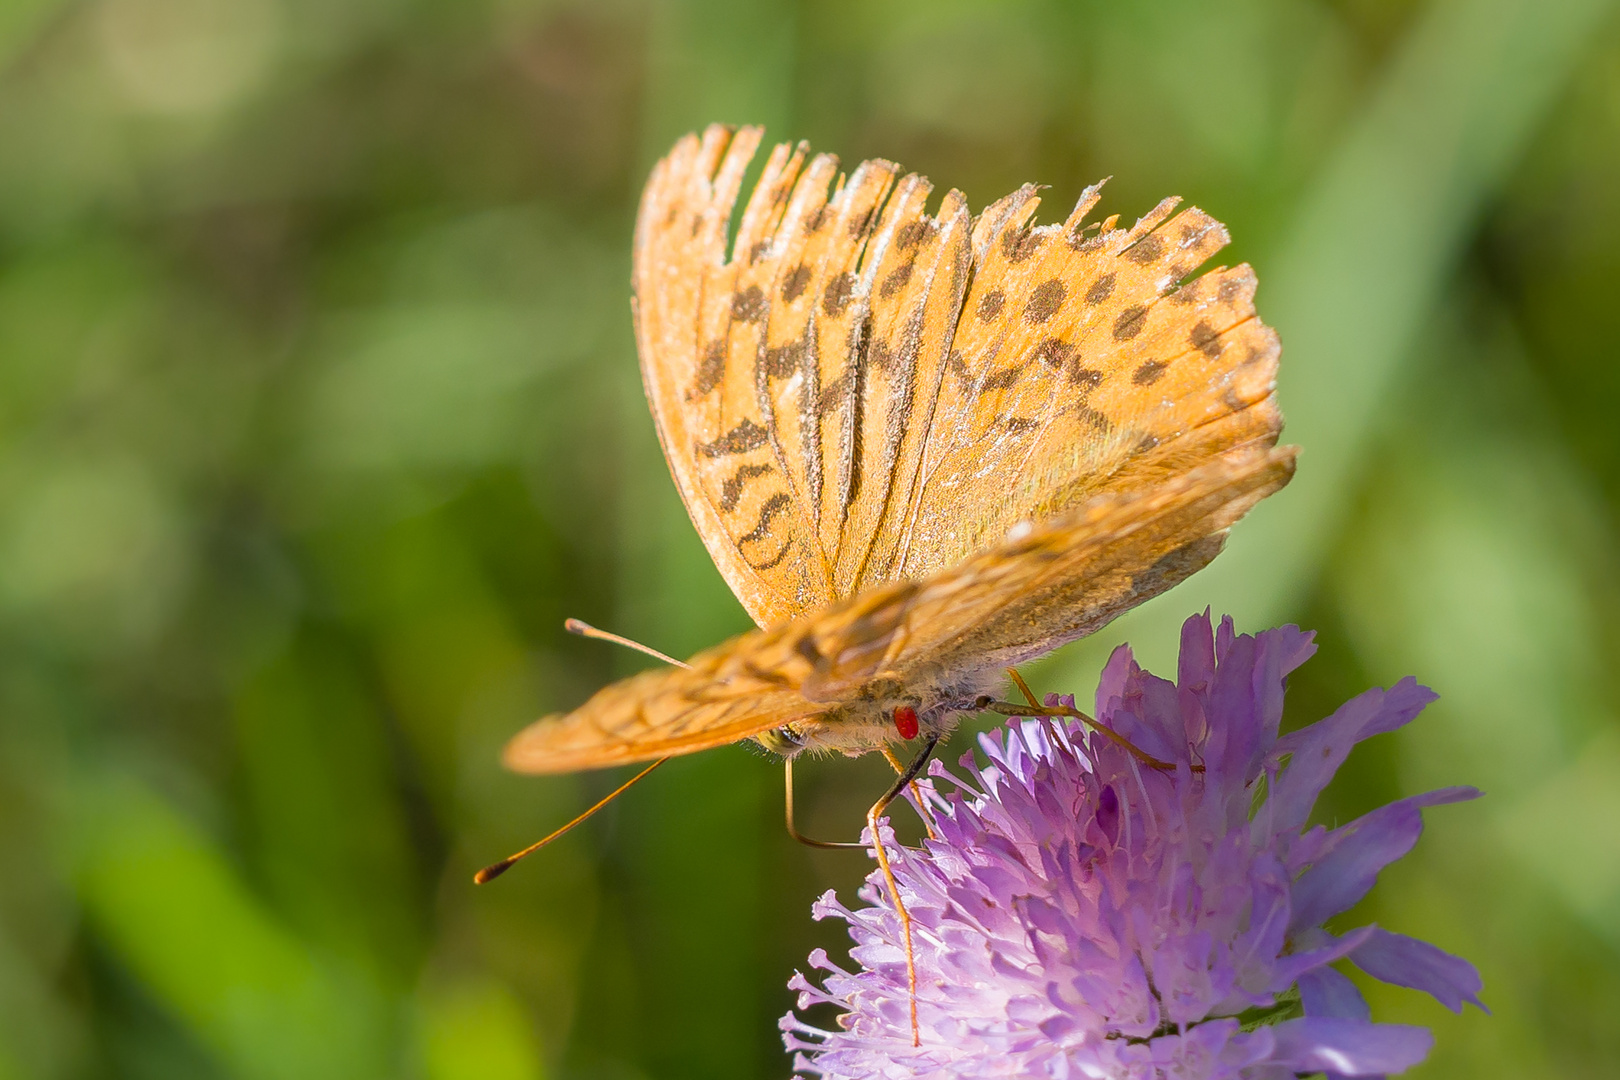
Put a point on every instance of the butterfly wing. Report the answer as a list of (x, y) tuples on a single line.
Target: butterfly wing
[(1058, 583), (736, 689), (1084, 363), (864, 393), (655, 713), (1018, 600)]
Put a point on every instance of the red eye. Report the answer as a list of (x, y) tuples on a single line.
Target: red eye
[(905, 722)]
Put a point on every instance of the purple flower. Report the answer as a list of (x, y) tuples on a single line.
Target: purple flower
[(1084, 915)]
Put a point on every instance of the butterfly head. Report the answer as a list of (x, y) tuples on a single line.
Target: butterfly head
[(865, 724)]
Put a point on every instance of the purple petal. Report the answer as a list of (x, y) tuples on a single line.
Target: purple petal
[(1155, 724), (1405, 961), (1234, 730), (1289, 969), (1348, 1047), (1326, 992), (1318, 750), (1195, 668), (1115, 674), (1354, 854), (1257, 947), (1224, 636), (1277, 654)]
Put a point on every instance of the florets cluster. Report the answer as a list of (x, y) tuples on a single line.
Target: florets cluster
[(1080, 914)]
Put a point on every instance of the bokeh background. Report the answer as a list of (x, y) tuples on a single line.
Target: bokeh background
[(319, 413)]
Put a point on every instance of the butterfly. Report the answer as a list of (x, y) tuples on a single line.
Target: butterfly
[(921, 448)]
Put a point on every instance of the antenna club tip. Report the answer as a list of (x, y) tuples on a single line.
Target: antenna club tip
[(576, 626), (490, 873)]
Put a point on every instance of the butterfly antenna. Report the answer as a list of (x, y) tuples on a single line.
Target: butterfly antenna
[(924, 811), (585, 629), (495, 870)]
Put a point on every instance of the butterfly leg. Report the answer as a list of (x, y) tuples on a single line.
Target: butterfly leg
[(1035, 708), (793, 831), (924, 811), (906, 777)]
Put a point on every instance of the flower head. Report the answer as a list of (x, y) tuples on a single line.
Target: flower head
[(1083, 915)]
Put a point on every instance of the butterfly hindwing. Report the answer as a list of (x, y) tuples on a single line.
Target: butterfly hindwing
[(1001, 607)]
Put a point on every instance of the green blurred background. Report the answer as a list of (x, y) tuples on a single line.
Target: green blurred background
[(319, 412)]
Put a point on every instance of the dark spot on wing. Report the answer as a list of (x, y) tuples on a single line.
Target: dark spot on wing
[(748, 305), (1188, 293), (766, 675), (815, 221), (1093, 419), (911, 234), (1017, 425), (1088, 379), (859, 225), (1045, 301), (757, 252), (1146, 250), (1206, 339), (783, 360), (1148, 373), (711, 369), (1100, 290), (775, 560), (794, 284), (834, 392), (731, 490), (879, 353), (772, 506), (1230, 290), (990, 305), (1130, 322), (744, 437), (837, 295), (1054, 352), (806, 647), (896, 280), (957, 365), (1018, 244), (1001, 380)]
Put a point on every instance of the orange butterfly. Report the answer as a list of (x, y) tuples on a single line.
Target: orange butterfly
[(921, 449)]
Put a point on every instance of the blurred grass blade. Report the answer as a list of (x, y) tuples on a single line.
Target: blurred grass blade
[(167, 903)]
